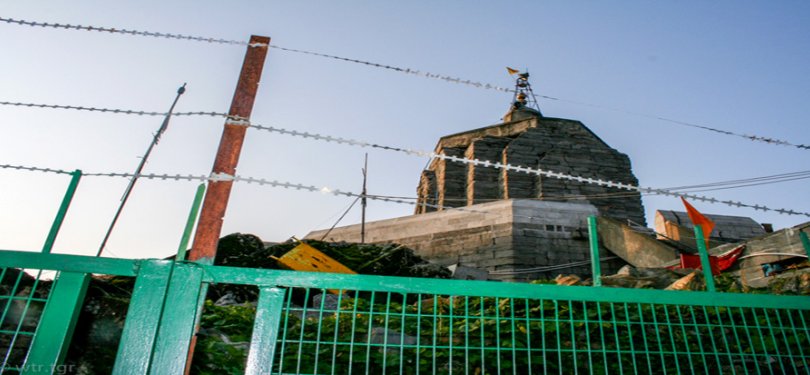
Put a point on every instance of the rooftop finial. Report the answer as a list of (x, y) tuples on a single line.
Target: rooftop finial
[(523, 100)]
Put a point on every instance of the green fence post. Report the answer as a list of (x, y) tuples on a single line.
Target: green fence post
[(177, 323), (265, 331), (60, 215), (143, 318), (704, 259), (596, 268), (805, 242), (192, 218), (55, 328)]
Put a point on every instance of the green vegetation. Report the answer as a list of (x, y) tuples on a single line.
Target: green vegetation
[(481, 334)]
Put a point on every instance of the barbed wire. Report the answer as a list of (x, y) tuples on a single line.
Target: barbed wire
[(33, 169), (312, 188), (113, 110), (353, 142), (751, 137), (514, 168), (152, 34), (130, 32), (416, 72), (294, 186)]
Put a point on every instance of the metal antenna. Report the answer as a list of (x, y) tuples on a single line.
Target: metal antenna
[(138, 170), (363, 203)]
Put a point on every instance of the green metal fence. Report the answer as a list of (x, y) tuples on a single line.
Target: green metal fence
[(374, 324)]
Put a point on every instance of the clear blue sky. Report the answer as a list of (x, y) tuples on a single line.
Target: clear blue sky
[(743, 66)]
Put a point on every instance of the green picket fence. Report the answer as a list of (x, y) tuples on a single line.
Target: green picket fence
[(316, 323)]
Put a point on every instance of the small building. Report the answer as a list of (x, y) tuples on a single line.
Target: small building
[(676, 226)]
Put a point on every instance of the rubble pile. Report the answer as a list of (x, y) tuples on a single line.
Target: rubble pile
[(227, 319)]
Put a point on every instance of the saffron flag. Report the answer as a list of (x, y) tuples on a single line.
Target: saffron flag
[(512, 71), (699, 220)]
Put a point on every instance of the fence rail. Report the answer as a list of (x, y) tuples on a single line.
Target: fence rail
[(375, 324)]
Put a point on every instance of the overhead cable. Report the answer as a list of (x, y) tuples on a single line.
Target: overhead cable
[(416, 72), (555, 267), (752, 181)]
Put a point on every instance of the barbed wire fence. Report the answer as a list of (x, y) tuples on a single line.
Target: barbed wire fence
[(410, 71), (338, 192), (413, 152), (628, 188)]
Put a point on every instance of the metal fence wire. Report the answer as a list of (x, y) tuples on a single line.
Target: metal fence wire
[(321, 323), (22, 299), (400, 333)]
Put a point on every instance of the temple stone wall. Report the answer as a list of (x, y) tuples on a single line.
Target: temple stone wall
[(483, 183), (504, 237), (556, 145), (451, 180)]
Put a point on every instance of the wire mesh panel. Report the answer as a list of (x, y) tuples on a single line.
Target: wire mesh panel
[(22, 299), (399, 333)]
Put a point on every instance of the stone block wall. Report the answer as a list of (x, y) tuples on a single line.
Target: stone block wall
[(451, 179), (483, 183), (556, 145), (428, 193), (504, 237)]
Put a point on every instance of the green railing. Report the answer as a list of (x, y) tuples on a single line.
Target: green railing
[(316, 323)]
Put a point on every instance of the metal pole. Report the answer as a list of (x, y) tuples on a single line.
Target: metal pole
[(138, 170), (593, 236), (209, 226), (60, 215), (204, 248), (363, 203), (192, 218), (704, 259)]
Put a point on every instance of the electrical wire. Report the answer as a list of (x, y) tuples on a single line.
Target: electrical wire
[(340, 218), (549, 268), (748, 181)]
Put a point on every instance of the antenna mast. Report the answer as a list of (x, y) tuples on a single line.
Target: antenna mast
[(363, 203), (138, 170)]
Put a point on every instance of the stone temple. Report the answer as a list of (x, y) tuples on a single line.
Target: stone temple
[(527, 139), (518, 226)]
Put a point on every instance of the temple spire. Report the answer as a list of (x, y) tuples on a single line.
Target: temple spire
[(524, 102)]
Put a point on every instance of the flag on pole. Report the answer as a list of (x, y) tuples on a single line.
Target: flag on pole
[(699, 220), (512, 71)]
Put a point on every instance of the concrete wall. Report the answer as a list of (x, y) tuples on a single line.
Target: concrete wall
[(637, 248), (501, 237)]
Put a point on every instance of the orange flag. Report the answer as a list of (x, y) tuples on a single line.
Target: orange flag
[(699, 220)]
